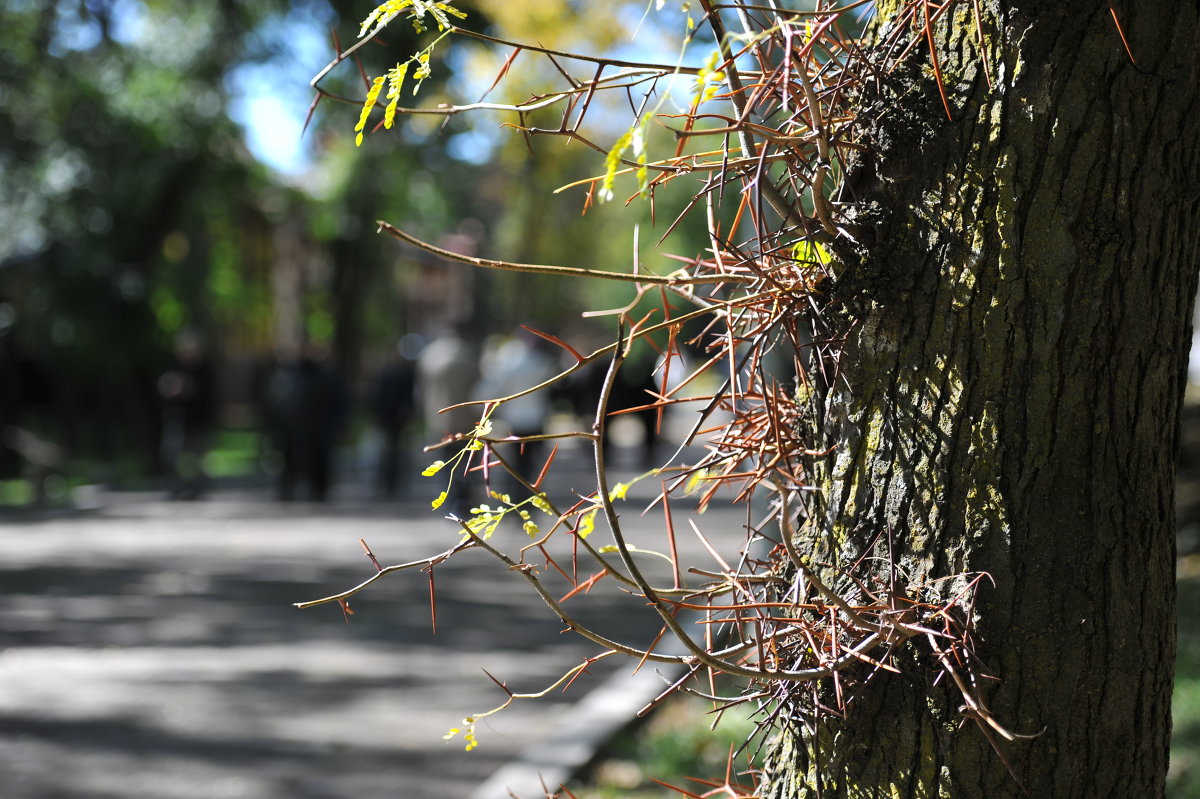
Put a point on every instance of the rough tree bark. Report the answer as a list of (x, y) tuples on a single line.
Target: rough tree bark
[(1010, 401)]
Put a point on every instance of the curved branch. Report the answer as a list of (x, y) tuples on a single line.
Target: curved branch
[(587, 359), (413, 564), (613, 62), (544, 101), (699, 653), (527, 572), (568, 271)]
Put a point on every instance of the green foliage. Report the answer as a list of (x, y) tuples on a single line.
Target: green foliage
[(235, 453), (675, 743), (1183, 780), (117, 171), (635, 139)]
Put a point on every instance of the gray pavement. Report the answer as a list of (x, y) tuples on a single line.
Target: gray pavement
[(150, 649)]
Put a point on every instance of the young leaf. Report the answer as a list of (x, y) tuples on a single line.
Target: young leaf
[(368, 104)]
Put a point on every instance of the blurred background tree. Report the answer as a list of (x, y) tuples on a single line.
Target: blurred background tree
[(133, 210), (154, 179)]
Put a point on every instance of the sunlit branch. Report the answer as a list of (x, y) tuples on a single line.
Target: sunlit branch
[(597, 354), (526, 571), (680, 165), (615, 62), (596, 555), (699, 653), (820, 203), (777, 201), (415, 564), (793, 12), (561, 271), (617, 80)]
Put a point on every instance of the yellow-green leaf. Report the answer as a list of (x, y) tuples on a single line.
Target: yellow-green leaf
[(694, 481), (542, 503), (368, 104), (586, 525), (611, 162)]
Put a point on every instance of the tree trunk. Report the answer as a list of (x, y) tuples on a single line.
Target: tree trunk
[(1009, 402)]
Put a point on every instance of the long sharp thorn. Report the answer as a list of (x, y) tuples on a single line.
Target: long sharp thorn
[(1121, 33), (432, 602)]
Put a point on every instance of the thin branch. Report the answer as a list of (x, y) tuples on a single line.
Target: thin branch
[(562, 271), (413, 564)]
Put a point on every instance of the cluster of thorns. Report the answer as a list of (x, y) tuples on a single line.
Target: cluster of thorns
[(796, 634)]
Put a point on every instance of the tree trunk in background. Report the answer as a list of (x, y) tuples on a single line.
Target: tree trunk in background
[(1011, 398), (352, 276)]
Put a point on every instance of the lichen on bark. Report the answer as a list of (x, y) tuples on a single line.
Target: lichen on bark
[(1007, 404)]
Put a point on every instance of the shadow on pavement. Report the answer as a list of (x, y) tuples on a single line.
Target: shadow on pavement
[(150, 649)]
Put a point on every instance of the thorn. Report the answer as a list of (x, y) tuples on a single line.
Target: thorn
[(556, 340), (503, 686), (1121, 33), (370, 555)]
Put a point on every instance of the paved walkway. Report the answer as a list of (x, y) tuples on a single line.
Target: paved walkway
[(149, 649)]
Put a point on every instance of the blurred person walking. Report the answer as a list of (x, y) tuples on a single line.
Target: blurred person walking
[(392, 403), (187, 392), (447, 372), (519, 362), (308, 405)]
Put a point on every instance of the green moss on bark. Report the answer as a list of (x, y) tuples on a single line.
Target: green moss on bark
[(1007, 404)]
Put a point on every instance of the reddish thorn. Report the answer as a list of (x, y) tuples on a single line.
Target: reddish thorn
[(370, 555), (1121, 33), (556, 340)]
